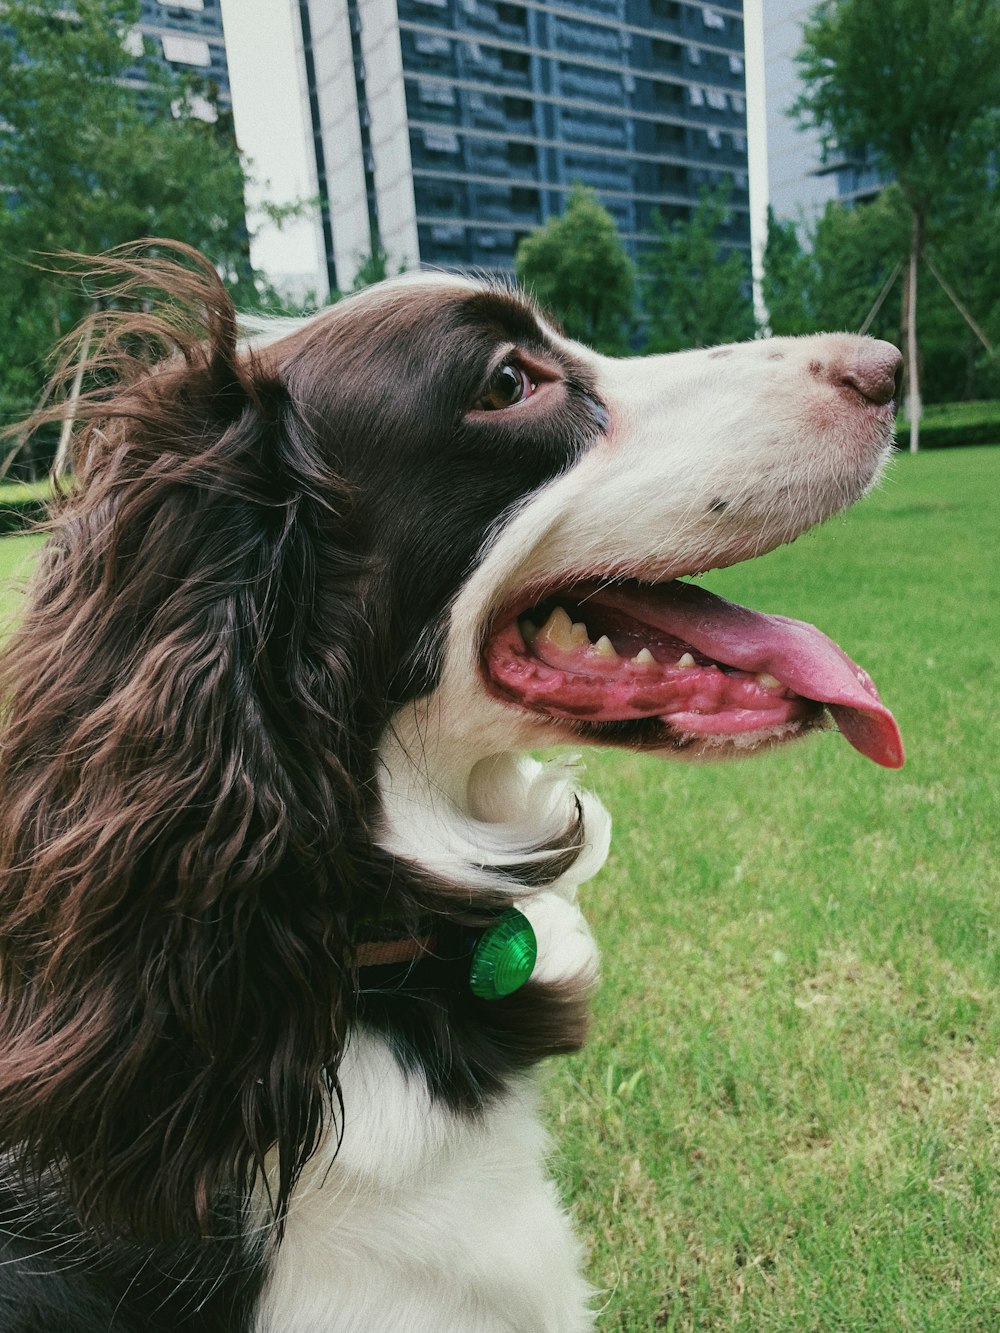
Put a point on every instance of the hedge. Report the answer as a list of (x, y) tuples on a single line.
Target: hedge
[(944, 425), (22, 505)]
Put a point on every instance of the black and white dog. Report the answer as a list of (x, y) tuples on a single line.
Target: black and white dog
[(268, 1016)]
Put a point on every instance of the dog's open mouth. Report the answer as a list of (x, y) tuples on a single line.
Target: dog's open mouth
[(701, 667)]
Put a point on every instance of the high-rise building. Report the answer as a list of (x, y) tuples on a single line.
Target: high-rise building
[(449, 129), (187, 35), (800, 183)]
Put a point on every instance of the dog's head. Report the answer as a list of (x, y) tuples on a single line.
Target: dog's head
[(409, 536)]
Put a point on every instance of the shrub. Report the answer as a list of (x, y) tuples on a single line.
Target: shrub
[(944, 425)]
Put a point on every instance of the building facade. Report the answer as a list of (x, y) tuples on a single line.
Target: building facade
[(187, 35), (450, 129), (800, 183)]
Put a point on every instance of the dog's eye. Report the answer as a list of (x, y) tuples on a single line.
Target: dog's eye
[(509, 384)]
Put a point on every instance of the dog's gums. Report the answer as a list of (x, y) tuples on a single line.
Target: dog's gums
[(702, 665)]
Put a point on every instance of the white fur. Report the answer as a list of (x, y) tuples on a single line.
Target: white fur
[(428, 1222)]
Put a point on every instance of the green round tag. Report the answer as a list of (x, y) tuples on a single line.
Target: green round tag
[(504, 957)]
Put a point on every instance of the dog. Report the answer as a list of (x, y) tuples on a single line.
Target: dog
[(289, 917)]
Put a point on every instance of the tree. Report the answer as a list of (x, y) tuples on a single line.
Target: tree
[(693, 292), (788, 281), (915, 83), (832, 275), (963, 256), (577, 267), (834, 279), (88, 163)]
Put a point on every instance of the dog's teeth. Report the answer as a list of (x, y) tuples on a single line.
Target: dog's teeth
[(578, 633), (604, 648), (644, 657), (768, 681), (558, 631), (529, 630), (686, 661)]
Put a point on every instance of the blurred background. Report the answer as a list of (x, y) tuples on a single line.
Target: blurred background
[(663, 173)]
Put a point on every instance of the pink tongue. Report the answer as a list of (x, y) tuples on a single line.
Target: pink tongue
[(797, 654)]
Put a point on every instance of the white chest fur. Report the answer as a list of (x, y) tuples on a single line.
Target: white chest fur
[(426, 1222)]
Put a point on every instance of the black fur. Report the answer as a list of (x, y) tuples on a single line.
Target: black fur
[(252, 576)]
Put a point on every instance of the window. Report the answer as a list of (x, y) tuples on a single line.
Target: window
[(523, 199), (696, 95), (514, 14), (517, 108), (670, 176), (132, 42), (438, 197), (735, 64), (429, 45), (436, 94), (591, 130), (515, 62), (668, 92), (712, 19), (195, 5), (716, 99), (666, 134), (665, 52), (441, 141), (186, 50), (522, 154), (714, 139), (665, 9), (448, 234), (694, 55)]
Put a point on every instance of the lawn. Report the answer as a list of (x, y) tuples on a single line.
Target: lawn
[(15, 567), (788, 1117)]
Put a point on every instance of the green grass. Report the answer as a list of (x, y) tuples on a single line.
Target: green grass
[(11, 492), (788, 1117), (15, 567)]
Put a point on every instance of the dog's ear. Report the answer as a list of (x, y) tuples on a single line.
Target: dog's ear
[(180, 810)]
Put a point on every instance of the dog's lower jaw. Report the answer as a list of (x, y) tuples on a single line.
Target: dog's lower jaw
[(426, 1221)]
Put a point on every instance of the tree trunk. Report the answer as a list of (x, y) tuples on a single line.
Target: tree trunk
[(913, 406)]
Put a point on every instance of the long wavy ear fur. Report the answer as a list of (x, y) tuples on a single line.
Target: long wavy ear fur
[(176, 855)]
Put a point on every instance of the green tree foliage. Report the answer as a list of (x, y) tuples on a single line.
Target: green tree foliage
[(374, 266), (577, 268), (87, 163), (963, 245), (789, 277), (830, 278), (916, 83), (693, 292)]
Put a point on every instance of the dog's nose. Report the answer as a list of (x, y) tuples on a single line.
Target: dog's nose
[(873, 370)]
